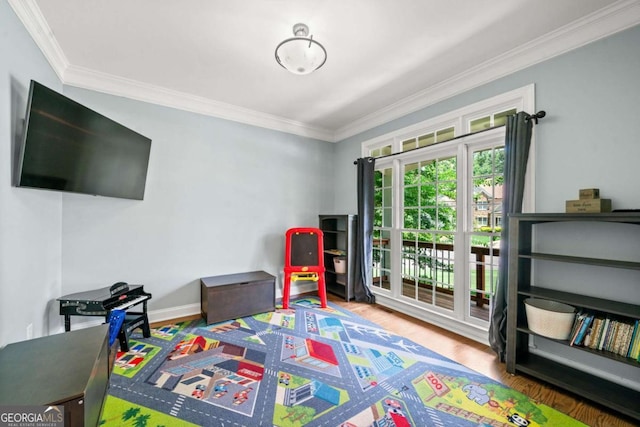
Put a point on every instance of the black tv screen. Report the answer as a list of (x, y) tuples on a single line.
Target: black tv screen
[(69, 147)]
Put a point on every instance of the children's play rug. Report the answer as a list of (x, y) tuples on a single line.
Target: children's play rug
[(304, 367)]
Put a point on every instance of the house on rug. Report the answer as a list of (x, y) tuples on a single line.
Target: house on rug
[(242, 149)]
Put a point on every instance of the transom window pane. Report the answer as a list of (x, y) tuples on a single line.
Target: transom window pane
[(492, 120), (501, 118), (480, 124), (382, 151), (409, 144), (428, 139), (425, 140), (445, 134)]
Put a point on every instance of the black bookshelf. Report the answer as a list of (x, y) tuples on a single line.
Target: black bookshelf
[(519, 359), (339, 241)]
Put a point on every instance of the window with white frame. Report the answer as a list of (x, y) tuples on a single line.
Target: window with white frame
[(438, 198)]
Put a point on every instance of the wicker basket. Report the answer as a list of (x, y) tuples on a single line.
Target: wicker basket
[(550, 319)]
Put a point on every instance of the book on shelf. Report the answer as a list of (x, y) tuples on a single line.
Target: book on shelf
[(617, 337), (621, 338), (591, 338), (577, 325), (582, 331), (601, 332), (613, 331), (603, 335), (586, 341), (634, 341), (634, 351), (622, 344), (626, 340)]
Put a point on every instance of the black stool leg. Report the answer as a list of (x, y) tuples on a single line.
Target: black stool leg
[(123, 338), (146, 330)]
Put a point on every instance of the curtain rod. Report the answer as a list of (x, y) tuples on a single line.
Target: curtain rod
[(535, 117)]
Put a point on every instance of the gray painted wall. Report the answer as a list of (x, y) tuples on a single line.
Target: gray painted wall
[(219, 198), (30, 244)]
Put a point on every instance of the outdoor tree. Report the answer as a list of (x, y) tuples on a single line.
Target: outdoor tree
[(488, 167), (430, 192)]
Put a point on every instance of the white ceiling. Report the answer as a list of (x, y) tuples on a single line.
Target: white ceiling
[(386, 58)]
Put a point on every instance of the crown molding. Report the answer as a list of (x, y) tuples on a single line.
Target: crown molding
[(607, 21), (618, 16), (29, 13), (133, 89)]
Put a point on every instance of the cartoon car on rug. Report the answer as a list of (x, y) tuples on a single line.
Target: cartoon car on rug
[(198, 392), (398, 418), (392, 403), (241, 396), (288, 342), (220, 389), (395, 414), (284, 378)]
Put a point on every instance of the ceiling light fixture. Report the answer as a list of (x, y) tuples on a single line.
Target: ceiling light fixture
[(301, 54)]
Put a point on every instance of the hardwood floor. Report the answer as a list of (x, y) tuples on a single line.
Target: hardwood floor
[(481, 359)]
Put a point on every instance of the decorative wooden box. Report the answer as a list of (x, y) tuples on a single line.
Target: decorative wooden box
[(588, 206), (589, 193), (233, 296)]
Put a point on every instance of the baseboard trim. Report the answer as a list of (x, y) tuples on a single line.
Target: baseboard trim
[(173, 312)]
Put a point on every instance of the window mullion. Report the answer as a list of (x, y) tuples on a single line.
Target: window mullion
[(396, 232), (461, 291)]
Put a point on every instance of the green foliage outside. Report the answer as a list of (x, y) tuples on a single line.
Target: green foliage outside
[(430, 190)]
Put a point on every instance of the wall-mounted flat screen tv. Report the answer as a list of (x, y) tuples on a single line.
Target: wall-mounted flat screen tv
[(69, 147)]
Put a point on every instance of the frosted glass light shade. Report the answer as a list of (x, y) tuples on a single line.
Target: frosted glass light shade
[(301, 54)]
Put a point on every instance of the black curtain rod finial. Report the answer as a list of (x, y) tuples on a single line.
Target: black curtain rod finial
[(540, 114)]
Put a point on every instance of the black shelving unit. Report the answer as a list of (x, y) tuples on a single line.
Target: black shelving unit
[(518, 358), (339, 241)]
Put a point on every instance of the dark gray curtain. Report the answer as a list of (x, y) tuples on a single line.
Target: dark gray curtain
[(364, 234), (517, 143)]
